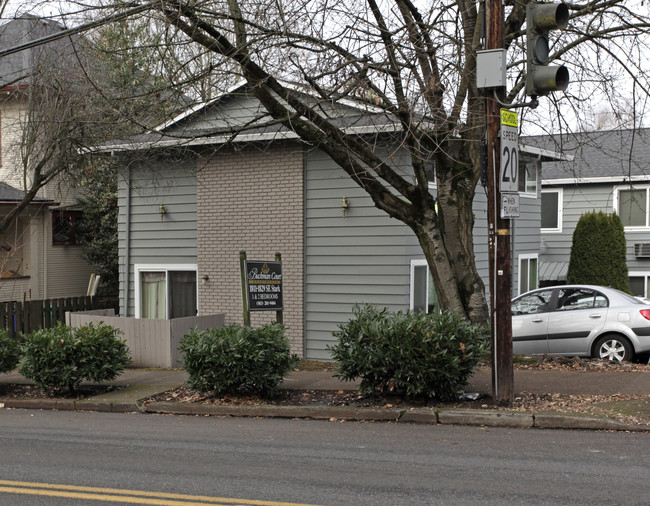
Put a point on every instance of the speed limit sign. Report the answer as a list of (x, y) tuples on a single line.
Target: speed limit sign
[(509, 171)]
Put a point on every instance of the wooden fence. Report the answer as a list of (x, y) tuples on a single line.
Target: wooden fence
[(26, 317)]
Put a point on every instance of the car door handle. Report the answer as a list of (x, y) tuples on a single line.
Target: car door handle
[(538, 320), (595, 316)]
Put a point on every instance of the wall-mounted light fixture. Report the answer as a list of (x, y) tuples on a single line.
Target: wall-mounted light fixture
[(345, 205), (205, 278), (163, 211)]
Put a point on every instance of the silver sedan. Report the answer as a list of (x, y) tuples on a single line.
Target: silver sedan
[(580, 320)]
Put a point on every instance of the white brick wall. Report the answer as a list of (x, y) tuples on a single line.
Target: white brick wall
[(252, 200)]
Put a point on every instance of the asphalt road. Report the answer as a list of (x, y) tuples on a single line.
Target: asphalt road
[(299, 461)]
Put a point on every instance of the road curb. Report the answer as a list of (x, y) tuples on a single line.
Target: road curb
[(486, 418), (69, 405), (551, 421), (271, 411), (505, 419)]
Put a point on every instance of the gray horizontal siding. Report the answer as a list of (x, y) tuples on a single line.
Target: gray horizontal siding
[(366, 256), (576, 200), (480, 235), (152, 240), (363, 257), (525, 235), (233, 112)]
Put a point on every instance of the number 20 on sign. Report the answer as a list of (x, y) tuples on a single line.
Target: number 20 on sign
[(509, 171)]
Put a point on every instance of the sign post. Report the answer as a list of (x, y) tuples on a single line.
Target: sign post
[(503, 174)]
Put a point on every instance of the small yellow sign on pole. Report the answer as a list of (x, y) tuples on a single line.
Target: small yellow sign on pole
[(509, 118)]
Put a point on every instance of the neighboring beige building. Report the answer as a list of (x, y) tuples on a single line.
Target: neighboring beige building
[(39, 254)]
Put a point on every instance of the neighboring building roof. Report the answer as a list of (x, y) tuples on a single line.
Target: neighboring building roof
[(15, 68), (9, 194), (598, 157)]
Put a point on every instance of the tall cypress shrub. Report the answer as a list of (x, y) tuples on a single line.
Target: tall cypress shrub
[(598, 252)]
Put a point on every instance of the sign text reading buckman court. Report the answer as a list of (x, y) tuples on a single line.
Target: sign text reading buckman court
[(264, 285)]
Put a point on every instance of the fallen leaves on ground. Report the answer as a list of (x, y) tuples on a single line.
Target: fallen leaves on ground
[(559, 363), (595, 405)]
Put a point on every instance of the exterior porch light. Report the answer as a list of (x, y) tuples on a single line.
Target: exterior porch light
[(345, 205)]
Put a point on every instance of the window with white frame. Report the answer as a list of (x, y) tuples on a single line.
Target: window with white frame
[(639, 282), (527, 184), (423, 291), (552, 210), (165, 291), (527, 272), (631, 205)]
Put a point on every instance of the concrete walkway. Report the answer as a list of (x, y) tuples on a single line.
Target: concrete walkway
[(140, 384)]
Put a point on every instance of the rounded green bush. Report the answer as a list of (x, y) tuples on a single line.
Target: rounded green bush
[(61, 358), (10, 352), (236, 359), (417, 355)]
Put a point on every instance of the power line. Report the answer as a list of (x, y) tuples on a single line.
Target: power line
[(79, 29)]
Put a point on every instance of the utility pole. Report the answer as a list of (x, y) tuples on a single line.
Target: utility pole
[(498, 229)]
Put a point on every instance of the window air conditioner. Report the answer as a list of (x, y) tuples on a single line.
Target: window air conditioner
[(642, 250)]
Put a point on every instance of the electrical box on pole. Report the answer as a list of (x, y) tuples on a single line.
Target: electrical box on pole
[(542, 78)]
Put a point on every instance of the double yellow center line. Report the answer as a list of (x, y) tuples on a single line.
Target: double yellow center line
[(124, 496)]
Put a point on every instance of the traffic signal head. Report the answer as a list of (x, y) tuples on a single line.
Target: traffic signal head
[(542, 78)]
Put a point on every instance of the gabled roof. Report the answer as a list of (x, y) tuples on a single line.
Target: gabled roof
[(213, 123), (15, 68), (237, 116), (11, 195), (598, 157)]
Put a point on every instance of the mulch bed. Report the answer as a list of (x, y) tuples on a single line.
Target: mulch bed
[(524, 401), (20, 391)]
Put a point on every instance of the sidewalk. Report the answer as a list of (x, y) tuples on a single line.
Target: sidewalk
[(139, 384)]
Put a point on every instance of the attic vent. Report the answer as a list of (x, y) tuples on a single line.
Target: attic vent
[(642, 250)]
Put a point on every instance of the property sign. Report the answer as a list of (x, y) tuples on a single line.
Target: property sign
[(264, 285), (510, 205), (509, 171)]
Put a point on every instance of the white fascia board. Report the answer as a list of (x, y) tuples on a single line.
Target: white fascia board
[(533, 150), (593, 180), (222, 139), (200, 141)]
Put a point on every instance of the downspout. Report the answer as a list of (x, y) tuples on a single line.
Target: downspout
[(45, 216), (127, 242)]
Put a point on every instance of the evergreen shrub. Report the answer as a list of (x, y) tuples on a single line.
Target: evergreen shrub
[(62, 357), (412, 354), (237, 359), (598, 252), (10, 352)]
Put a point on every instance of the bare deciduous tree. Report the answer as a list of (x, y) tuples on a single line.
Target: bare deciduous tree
[(416, 62)]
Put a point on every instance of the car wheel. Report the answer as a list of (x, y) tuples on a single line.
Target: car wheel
[(613, 348)]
